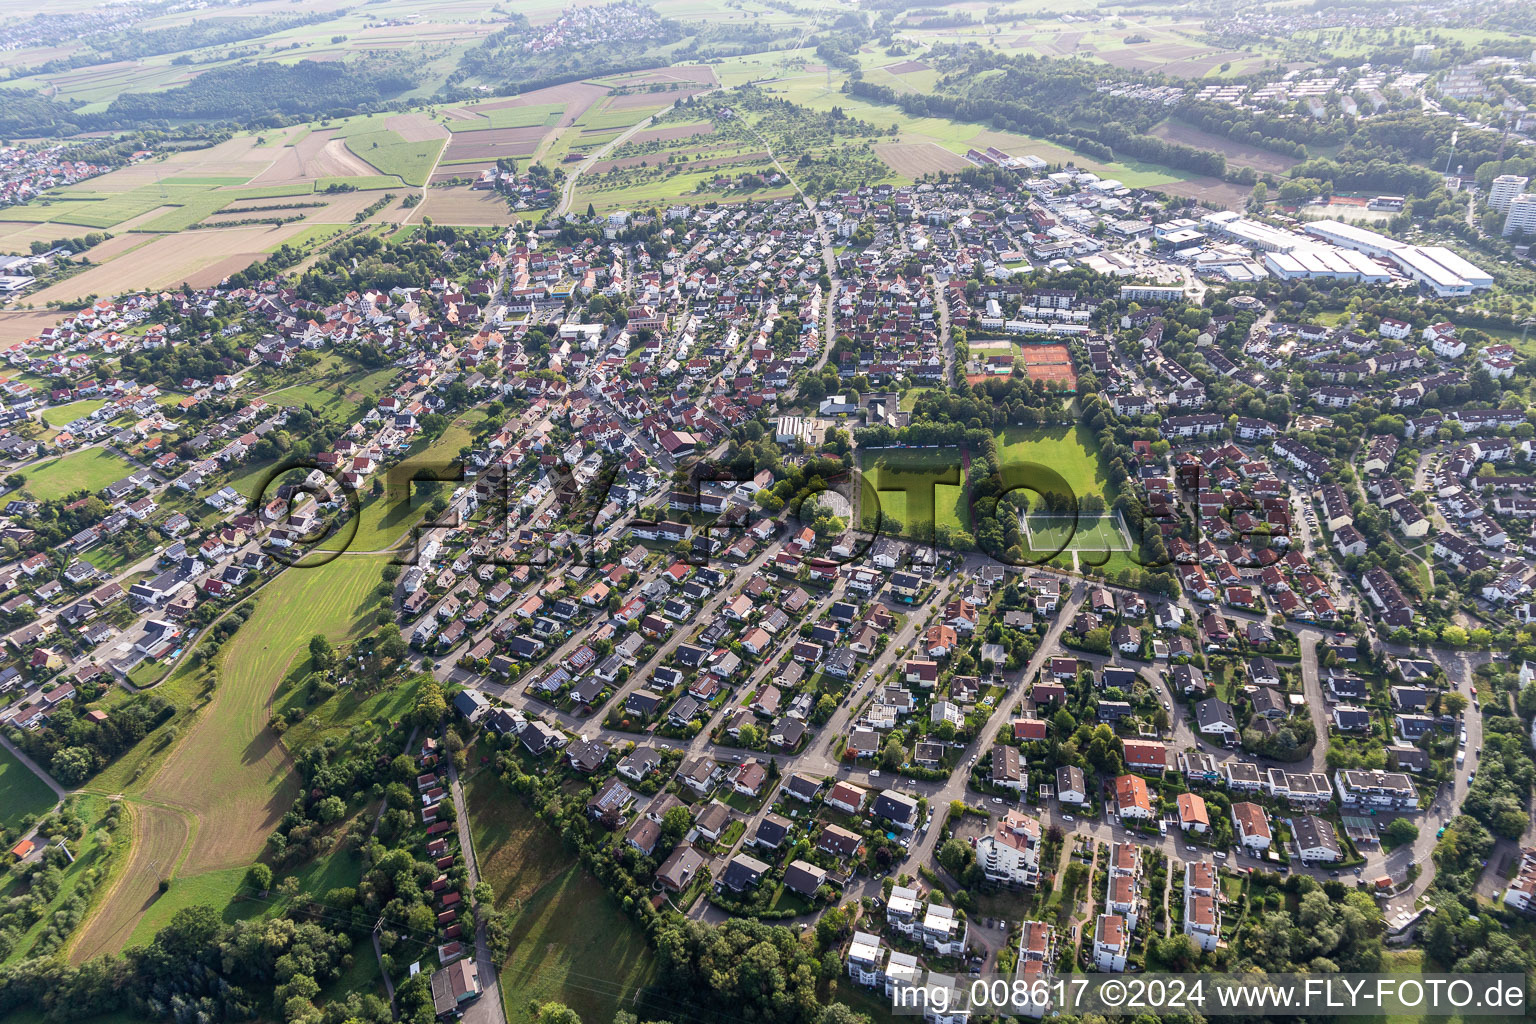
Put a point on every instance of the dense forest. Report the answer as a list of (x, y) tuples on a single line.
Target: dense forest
[(200, 969), (253, 93), (136, 44), (27, 113), (1050, 99)]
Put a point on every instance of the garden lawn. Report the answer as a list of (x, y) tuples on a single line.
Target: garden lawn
[(1071, 451), (919, 488), (58, 415), (21, 792), (88, 470), (329, 402), (383, 521)]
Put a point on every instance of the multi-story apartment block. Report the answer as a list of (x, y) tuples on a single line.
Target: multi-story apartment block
[(1011, 854)]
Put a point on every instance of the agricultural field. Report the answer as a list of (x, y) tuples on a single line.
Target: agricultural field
[(317, 156), (1167, 44), (174, 192), (88, 470), (226, 889), (321, 208), (573, 944), (246, 196), (18, 325), (680, 75), (1201, 188), (497, 117), (1240, 154), (198, 258), (485, 146), (21, 792), (157, 836), (469, 208), (389, 152), (524, 127), (915, 159), (209, 805)]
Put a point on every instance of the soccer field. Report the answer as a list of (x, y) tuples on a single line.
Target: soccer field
[(1087, 533)]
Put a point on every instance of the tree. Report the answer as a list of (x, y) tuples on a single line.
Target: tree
[(392, 645), (675, 824), (259, 877), (1400, 832), (833, 927), (893, 756), (431, 705), (321, 655), (329, 810), (841, 1013), (73, 765), (955, 855)]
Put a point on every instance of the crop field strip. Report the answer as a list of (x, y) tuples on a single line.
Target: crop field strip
[(227, 779), (485, 118)]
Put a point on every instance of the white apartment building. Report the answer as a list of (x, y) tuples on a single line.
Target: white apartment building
[(1521, 218), (1504, 189), (866, 960), (1202, 904), (1111, 940), (1011, 854)]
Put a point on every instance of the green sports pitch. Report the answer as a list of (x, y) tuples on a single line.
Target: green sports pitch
[(1082, 533)]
